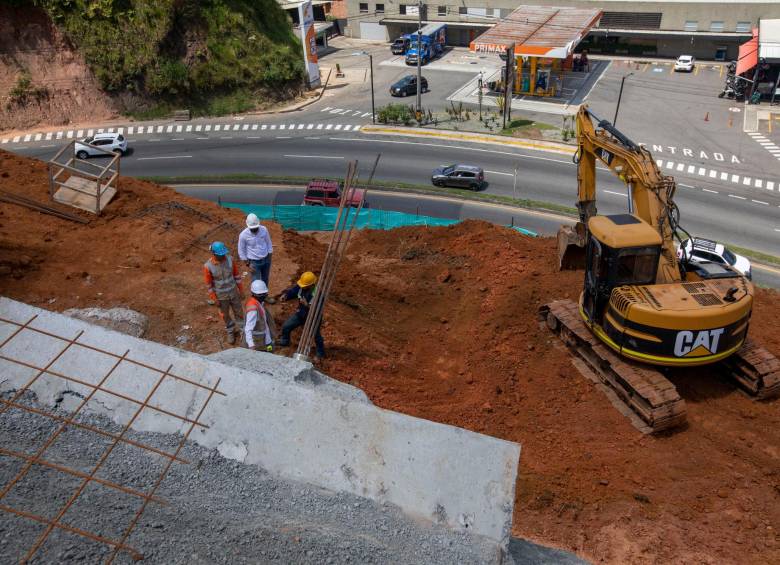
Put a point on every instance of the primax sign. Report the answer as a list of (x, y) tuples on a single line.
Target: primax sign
[(309, 40)]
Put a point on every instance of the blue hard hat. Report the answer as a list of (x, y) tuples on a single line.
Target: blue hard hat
[(218, 248)]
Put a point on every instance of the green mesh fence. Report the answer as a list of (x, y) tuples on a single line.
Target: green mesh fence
[(320, 218)]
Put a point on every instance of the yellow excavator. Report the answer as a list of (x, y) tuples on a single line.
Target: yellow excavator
[(642, 309)]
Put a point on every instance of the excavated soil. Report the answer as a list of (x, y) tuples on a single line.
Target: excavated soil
[(441, 323)]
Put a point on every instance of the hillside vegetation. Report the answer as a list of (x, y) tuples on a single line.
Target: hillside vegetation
[(213, 55)]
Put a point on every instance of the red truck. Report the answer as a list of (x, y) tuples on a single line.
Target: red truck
[(324, 192)]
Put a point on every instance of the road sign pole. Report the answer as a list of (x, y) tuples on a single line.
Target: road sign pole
[(419, 56)]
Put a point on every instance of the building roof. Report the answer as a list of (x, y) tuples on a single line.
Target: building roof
[(540, 31), (769, 39)]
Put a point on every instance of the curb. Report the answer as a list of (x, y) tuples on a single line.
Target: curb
[(450, 135)]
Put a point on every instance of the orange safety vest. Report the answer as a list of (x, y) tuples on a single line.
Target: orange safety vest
[(254, 304)]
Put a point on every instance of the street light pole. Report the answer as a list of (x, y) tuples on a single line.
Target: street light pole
[(373, 110), (620, 95), (479, 95), (419, 55)]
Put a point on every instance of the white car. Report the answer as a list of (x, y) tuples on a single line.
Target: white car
[(684, 63), (707, 250), (87, 147)]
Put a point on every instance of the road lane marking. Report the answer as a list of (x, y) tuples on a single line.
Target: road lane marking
[(177, 139), (164, 157), (615, 193), (712, 191), (500, 173), (313, 157), (737, 197), (760, 202)]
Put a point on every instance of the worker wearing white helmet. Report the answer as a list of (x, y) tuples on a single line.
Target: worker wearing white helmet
[(257, 326), (255, 249)]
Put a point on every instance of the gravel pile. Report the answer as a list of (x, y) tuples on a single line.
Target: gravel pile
[(219, 511)]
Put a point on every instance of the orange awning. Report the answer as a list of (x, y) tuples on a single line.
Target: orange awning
[(748, 54)]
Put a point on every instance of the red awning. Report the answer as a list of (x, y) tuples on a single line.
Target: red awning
[(748, 54)]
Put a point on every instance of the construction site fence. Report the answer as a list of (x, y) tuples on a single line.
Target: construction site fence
[(321, 218)]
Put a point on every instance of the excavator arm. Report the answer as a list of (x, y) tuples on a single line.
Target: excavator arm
[(650, 194)]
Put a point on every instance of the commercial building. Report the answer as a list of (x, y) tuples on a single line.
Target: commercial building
[(707, 29)]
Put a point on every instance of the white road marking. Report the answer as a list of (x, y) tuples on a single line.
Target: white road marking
[(737, 197), (759, 183), (201, 138), (130, 130), (235, 127), (311, 138), (90, 132), (329, 126), (724, 176), (254, 127), (713, 173), (712, 191), (177, 139), (659, 162), (760, 202), (313, 157), (165, 157), (264, 127), (198, 127), (283, 137), (217, 127), (281, 126), (770, 185), (615, 193), (691, 169), (702, 170), (38, 136), (746, 181), (169, 129), (155, 140), (48, 136), (5, 140), (70, 134), (208, 127), (356, 128), (253, 137), (228, 137), (59, 135), (735, 178), (326, 108), (347, 127), (365, 114), (189, 128), (159, 129), (245, 127), (178, 129), (15, 139), (80, 133), (100, 130), (300, 126), (319, 126), (338, 127), (44, 146), (310, 126), (669, 165), (500, 173), (680, 166), (273, 126)]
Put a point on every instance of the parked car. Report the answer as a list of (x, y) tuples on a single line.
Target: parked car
[(684, 63), (87, 147), (400, 45), (324, 192), (407, 86), (707, 250), (460, 176)]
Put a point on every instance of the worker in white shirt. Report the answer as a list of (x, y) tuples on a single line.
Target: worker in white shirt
[(255, 249), (257, 327)]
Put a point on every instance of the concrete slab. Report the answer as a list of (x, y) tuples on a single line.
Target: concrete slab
[(434, 472)]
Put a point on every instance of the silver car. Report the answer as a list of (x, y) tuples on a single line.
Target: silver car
[(113, 142)]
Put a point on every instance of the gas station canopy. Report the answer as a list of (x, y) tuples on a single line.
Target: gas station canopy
[(538, 31)]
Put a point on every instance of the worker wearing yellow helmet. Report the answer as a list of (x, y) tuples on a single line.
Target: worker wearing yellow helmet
[(303, 290)]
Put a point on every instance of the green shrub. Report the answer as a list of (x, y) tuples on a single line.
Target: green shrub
[(395, 114)]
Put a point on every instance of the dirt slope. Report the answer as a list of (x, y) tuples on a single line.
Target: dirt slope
[(440, 323), (30, 44)]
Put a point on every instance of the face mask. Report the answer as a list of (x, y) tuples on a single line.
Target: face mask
[(254, 230)]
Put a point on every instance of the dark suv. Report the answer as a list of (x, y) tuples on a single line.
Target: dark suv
[(407, 86), (460, 176)]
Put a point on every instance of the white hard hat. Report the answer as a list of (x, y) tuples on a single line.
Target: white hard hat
[(258, 287), (252, 221)]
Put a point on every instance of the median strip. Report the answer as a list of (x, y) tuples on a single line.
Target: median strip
[(450, 135)]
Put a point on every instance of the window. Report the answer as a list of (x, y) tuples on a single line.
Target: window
[(402, 9), (442, 11), (691, 25), (315, 194), (743, 27), (637, 265), (716, 26), (462, 10), (363, 7), (467, 175), (380, 8), (729, 257)]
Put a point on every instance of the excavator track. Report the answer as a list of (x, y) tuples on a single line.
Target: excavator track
[(643, 394), (756, 370)]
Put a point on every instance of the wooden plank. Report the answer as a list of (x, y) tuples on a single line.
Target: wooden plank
[(83, 201)]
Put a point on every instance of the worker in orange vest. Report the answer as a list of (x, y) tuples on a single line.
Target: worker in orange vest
[(257, 326), (224, 283)]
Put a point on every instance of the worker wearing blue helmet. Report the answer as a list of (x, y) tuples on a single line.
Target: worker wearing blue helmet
[(224, 283)]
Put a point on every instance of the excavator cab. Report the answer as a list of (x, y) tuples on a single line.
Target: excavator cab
[(622, 250)]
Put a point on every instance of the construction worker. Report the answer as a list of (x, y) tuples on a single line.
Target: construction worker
[(304, 290), (257, 327), (224, 284), (255, 249)]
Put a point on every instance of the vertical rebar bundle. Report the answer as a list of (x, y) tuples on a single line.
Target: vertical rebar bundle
[(342, 232)]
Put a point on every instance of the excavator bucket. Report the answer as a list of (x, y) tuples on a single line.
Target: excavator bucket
[(571, 247)]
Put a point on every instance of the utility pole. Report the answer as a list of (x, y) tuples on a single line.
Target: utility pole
[(509, 81), (479, 95), (620, 95), (419, 55), (514, 183), (373, 110)]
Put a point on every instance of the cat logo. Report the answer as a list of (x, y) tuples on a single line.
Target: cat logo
[(697, 344)]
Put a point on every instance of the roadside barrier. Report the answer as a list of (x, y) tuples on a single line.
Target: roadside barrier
[(320, 218)]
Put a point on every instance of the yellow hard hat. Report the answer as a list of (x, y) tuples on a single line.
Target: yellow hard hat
[(307, 279)]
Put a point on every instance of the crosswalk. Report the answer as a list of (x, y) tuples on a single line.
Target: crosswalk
[(137, 130), (712, 174), (348, 112), (767, 144)]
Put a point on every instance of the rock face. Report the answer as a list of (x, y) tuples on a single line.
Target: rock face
[(122, 320)]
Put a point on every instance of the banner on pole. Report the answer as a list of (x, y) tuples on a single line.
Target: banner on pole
[(309, 40)]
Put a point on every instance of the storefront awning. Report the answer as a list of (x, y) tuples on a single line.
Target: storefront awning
[(538, 31), (748, 54)]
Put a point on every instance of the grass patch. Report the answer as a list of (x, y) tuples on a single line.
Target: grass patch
[(376, 185), (520, 126), (759, 256)]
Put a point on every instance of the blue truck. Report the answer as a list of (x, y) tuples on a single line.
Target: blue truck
[(433, 38), (401, 44)]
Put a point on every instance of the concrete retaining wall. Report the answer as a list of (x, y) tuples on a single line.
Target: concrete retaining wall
[(282, 416)]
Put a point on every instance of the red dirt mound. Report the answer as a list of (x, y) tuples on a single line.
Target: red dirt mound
[(441, 323)]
